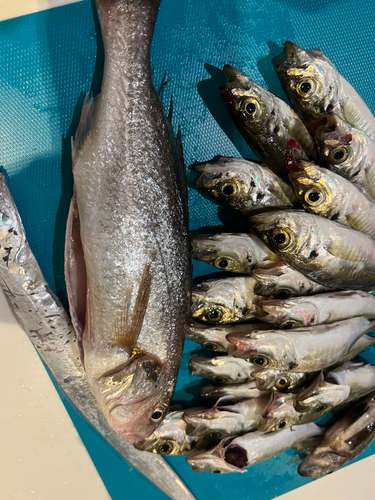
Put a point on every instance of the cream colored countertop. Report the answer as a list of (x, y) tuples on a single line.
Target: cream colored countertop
[(16, 8)]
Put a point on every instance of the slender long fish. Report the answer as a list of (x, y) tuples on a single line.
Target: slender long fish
[(44, 320), (129, 288)]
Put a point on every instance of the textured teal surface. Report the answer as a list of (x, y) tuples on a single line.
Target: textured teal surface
[(47, 62)]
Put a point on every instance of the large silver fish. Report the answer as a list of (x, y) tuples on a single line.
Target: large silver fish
[(315, 88), (326, 252), (43, 318), (306, 349), (265, 121), (344, 441), (282, 282), (329, 195), (238, 253), (233, 455), (227, 300), (318, 309), (244, 185), (129, 287), (221, 369)]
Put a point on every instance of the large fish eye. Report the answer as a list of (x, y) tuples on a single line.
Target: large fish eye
[(165, 448), (210, 346), (260, 360), (228, 189), (223, 263), (305, 87), (280, 238), (313, 197), (282, 383), (251, 107), (282, 293), (158, 414), (218, 379), (339, 154), (213, 315)]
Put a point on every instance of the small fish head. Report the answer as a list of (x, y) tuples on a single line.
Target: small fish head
[(321, 396), (230, 183), (211, 461), (308, 78), (288, 313), (279, 380), (207, 336), (320, 463), (288, 233), (168, 439), (133, 397), (213, 424), (246, 101), (278, 414), (275, 283), (219, 370), (338, 143)]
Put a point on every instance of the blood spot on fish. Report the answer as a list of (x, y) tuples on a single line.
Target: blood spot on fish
[(236, 455), (313, 254)]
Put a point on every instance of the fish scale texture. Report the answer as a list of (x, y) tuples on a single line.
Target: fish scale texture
[(47, 64)]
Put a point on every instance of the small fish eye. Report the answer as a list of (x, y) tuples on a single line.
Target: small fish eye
[(288, 325), (312, 196), (218, 380), (280, 238), (214, 435), (339, 155), (228, 190), (283, 383), (305, 87), (260, 360), (216, 471), (283, 294), (223, 262), (165, 448), (250, 108), (210, 346), (214, 315), (320, 408), (157, 415), (281, 424)]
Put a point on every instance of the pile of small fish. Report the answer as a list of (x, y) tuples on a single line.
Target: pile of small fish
[(293, 321)]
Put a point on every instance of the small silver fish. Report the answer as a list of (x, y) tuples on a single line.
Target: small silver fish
[(213, 337), (279, 380), (321, 395), (358, 376), (244, 185), (315, 88), (265, 121), (282, 282), (238, 392), (170, 438), (306, 349), (318, 309), (221, 369), (329, 195), (343, 441), (227, 300), (41, 315), (348, 152), (225, 420), (326, 252), (233, 455), (238, 253)]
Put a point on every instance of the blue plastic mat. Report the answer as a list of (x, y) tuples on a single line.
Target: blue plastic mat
[(48, 61)]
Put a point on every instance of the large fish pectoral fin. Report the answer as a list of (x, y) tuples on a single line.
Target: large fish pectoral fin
[(128, 330), (75, 272), (343, 250), (84, 126)]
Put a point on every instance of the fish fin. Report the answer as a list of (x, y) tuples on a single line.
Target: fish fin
[(307, 445), (175, 143), (356, 112), (127, 335), (75, 272), (84, 125), (342, 250)]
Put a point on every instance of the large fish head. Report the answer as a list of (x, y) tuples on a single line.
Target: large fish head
[(288, 233), (288, 313), (318, 464), (279, 380), (207, 336), (211, 461), (338, 143), (247, 102), (321, 396), (134, 397), (230, 182), (168, 439), (309, 79), (214, 423), (315, 189), (223, 251), (278, 414), (264, 350)]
